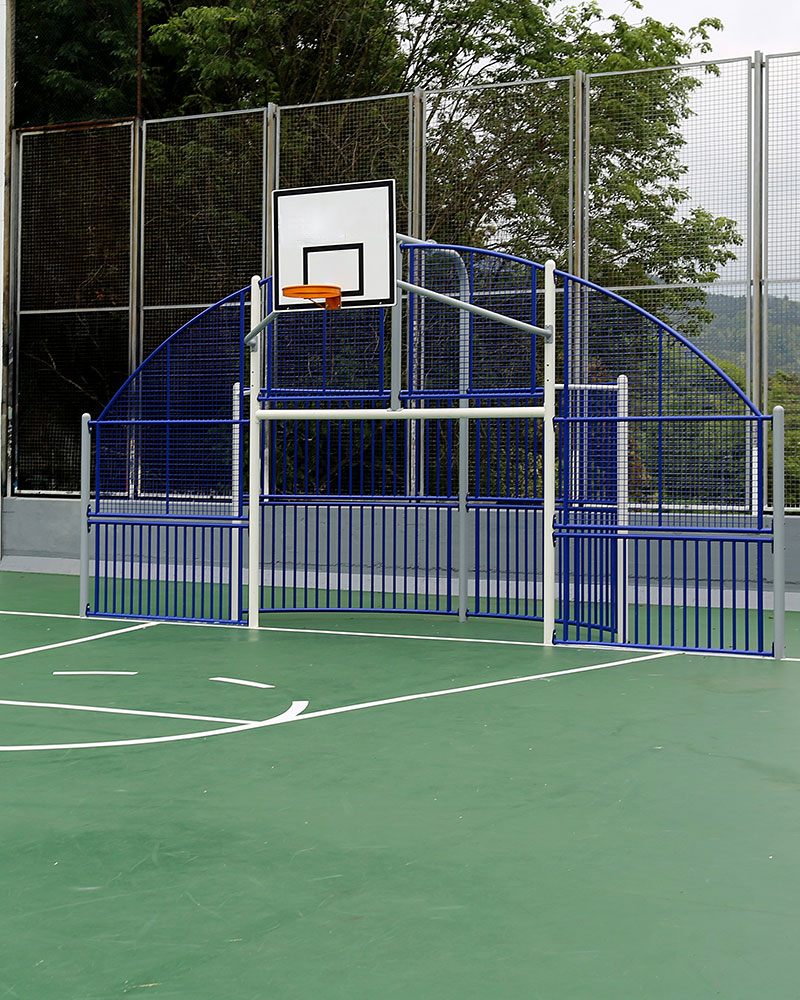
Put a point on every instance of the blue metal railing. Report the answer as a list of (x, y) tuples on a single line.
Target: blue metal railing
[(660, 530)]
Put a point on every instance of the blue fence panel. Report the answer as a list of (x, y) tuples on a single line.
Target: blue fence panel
[(168, 507), (661, 538)]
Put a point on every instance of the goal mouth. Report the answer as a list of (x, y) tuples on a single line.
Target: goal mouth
[(331, 295)]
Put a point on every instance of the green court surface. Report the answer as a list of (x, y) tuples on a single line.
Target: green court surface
[(398, 816)]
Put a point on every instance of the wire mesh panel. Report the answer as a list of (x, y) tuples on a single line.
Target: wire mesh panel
[(661, 533), (499, 168), (782, 267), (73, 294), (454, 353), (168, 505), (328, 353), (75, 218), (347, 141), (203, 209), (669, 199), (68, 364)]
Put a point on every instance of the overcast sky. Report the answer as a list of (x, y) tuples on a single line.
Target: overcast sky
[(766, 25)]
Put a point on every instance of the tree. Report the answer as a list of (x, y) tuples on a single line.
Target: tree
[(75, 60)]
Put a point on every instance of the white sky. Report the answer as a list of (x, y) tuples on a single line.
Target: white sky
[(770, 26)]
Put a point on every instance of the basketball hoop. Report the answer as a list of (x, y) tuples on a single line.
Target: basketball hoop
[(331, 295)]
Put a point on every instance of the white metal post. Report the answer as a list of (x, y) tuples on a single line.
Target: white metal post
[(778, 536), (549, 470), (254, 463), (622, 508), (463, 445), (86, 481), (236, 607)]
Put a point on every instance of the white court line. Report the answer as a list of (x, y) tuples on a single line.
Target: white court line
[(236, 680), (95, 673), (395, 635), (293, 713), (593, 647), (75, 642), (294, 709), (479, 687), (42, 614), (122, 711)]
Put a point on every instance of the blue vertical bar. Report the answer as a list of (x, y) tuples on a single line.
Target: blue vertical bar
[(708, 578), (168, 414), (685, 597), (747, 596), (734, 608), (760, 594), (697, 593), (721, 547), (317, 570), (149, 568), (672, 592), (648, 585)]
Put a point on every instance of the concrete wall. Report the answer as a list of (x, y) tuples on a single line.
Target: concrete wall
[(43, 535)]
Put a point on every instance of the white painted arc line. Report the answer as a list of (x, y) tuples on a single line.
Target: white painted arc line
[(122, 711), (478, 687), (294, 709), (236, 680), (75, 642), (95, 673)]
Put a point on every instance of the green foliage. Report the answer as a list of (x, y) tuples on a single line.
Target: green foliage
[(249, 52), (74, 60)]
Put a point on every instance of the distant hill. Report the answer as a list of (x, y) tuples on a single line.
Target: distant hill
[(724, 338)]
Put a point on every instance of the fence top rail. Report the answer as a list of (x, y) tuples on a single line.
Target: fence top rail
[(675, 67), (345, 100), (421, 413)]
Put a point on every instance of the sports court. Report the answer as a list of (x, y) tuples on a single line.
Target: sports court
[(351, 805)]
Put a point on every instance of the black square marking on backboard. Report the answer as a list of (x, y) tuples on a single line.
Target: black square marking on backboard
[(329, 248)]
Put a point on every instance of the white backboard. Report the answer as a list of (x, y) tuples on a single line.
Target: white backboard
[(339, 234)]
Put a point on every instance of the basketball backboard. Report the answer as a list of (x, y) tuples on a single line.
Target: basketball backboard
[(339, 234)]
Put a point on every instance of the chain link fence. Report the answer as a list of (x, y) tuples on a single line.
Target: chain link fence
[(677, 187)]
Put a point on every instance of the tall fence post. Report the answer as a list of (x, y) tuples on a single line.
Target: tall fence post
[(464, 327), (254, 464), (86, 479), (622, 508), (235, 573), (758, 353), (549, 471), (778, 535)]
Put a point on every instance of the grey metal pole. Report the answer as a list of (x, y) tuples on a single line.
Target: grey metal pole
[(778, 536), (463, 448), (623, 513), (235, 491), (254, 459), (517, 324), (549, 459), (397, 336), (759, 369), (86, 479)]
